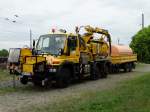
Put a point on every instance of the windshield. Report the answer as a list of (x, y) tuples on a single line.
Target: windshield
[(51, 43)]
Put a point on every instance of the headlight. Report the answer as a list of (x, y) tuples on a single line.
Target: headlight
[(52, 70)]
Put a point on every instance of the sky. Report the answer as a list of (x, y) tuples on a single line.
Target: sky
[(122, 18)]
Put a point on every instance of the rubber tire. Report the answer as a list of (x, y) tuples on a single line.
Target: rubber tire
[(63, 78), (96, 74), (130, 67), (106, 71), (24, 80), (117, 69), (125, 68)]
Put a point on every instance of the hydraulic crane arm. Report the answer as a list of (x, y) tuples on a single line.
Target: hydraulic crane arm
[(90, 31)]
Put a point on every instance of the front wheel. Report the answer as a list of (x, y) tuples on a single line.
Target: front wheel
[(63, 78)]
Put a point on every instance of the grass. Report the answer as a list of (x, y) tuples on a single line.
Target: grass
[(29, 89), (4, 75), (20, 89), (129, 96), (140, 64)]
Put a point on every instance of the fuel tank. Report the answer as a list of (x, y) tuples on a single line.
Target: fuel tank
[(118, 50)]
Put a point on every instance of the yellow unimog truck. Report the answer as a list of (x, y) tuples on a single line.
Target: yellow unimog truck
[(62, 57)]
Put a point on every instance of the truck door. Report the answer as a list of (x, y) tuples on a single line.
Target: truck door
[(73, 49)]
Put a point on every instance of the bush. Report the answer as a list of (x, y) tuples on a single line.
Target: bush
[(3, 53), (141, 45)]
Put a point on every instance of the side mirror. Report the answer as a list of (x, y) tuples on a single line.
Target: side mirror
[(33, 49), (33, 43)]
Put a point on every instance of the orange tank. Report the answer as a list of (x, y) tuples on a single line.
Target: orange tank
[(118, 50)]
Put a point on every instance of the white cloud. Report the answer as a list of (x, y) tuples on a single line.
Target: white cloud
[(121, 18), (14, 44)]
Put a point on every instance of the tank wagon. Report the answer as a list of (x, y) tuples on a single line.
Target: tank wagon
[(122, 58)]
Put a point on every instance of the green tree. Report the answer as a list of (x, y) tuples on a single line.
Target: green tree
[(3, 53), (141, 44)]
